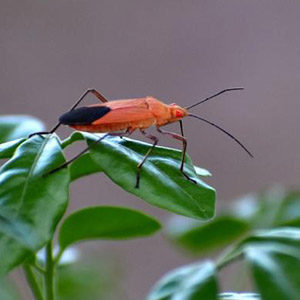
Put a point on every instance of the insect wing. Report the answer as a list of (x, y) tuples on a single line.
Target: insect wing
[(84, 115), (134, 110)]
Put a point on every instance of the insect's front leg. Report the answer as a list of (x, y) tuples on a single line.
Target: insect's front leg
[(184, 145), (139, 166)]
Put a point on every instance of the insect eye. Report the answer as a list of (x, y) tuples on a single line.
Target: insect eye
[(179, 114)]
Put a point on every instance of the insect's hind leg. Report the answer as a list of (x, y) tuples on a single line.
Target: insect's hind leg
[(184, 145), (140, 165), (89, 91), (64, 165)]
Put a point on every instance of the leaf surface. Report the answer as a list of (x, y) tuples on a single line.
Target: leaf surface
[(18, 126), (107, 223), (83, 166), (239, 296), (274, 258), (191, 282), (7, 149), (162, 184), (203, 237), (31, 204)]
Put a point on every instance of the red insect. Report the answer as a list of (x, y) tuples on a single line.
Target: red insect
[(122, 117)]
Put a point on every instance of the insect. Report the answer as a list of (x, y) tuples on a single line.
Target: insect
[(122, 117)]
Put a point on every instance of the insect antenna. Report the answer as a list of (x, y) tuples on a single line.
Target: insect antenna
[(223, 130), (215, 95)]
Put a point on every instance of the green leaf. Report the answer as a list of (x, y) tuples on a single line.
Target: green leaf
[(88, 279), (7, 149), (202, 238), (162, 184), (105, 222), (202, 172), (83, 166), (30, 204), (274, 258), (239, 296), (18, 126), (290, 210), (192, 282), (273, 208)]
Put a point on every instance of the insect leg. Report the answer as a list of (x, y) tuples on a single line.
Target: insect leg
[(89, 91), (139, 166), (86, 149), (184, 145), (181, 127)]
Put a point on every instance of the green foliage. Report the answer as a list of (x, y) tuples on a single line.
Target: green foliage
[(7, 149), (33, 201), (18, 126), (83, 166), (205, 237), (270, 209), (202, 172), (86, 279), (239, 296), (272, 255), (190, 282), (31, 204), (276, 207), (105, 222), (161, 184)]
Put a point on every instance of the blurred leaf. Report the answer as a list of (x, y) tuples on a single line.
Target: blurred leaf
[(274, 258), (161, 183), (202, 172), (105, 222), (18, 126), (276, 207), (86, 280), (290, 210), (191, 282), (202, 238), (30, 204), (83, 166), (7, 290), (7, 149), (272, 208), (239, 296)]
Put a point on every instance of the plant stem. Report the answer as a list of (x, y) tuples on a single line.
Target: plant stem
[(49, 275), (39, 269), (31, 279), (228, 257), (58, 257)]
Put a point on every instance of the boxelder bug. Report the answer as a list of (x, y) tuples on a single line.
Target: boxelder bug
[(122, 117)]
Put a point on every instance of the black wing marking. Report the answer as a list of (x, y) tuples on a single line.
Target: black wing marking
[(83, 115)]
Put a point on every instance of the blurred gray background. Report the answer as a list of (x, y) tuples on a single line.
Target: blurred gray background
[(177, 51)]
